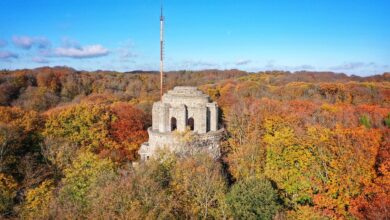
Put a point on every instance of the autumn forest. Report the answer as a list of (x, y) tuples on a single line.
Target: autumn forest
[(302, 145)]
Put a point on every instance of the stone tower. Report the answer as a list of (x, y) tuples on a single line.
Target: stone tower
[(180, 109)]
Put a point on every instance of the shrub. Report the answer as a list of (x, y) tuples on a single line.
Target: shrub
[(387, 120), (253, 198), (365, 120)]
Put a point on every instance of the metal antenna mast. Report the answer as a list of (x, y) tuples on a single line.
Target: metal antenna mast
[(161, 50)]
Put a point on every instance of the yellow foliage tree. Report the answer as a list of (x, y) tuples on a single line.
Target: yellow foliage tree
[(198, 186), (8, 188), (37, 202), (85, 125)]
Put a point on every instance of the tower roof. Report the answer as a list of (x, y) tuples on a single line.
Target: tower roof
[(186, 95)]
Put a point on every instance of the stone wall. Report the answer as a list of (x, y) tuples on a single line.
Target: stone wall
[(201, 142)]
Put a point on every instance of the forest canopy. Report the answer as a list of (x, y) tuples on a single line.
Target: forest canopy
[(303, 145)]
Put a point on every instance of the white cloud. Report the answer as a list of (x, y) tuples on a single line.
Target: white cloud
[(303, 67), (352, 66), (243, 62), (82, 52), (191, 65), (272, 65), (360, 68), (198, 63), (42, 42), (39, 60), (125, 54), (6, 55), (3, 43), (68, 42), (26, 42), (23, 42)]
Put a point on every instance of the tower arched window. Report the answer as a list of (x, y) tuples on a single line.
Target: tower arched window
[(190, 123), (173, 124)]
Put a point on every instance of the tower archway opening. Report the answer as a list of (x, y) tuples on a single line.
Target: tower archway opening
[(190, 123), (173, 124)]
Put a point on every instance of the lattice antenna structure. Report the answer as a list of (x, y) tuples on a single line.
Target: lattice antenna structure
[(161, 51)]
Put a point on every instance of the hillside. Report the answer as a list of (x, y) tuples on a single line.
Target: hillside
[(296, 145)]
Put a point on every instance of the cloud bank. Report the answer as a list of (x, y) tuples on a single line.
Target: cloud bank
[(81, 52), (39, 60), (3, 43), (26, 42), (6, 55), (353, 66), (243, 62)]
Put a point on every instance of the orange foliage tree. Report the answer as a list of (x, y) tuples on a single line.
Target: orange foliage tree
[(129, 128)]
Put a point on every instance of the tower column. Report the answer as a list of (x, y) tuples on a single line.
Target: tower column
[(213, 108), (164, 118), (201, 119), (181, 118)]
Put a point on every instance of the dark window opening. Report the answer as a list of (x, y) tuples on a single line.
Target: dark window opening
[(173, 124), (190, 123)]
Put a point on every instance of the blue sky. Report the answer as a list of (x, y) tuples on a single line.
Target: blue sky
[(351, 36)]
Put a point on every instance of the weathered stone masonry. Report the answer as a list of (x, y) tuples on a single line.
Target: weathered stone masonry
[(180, 108)]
